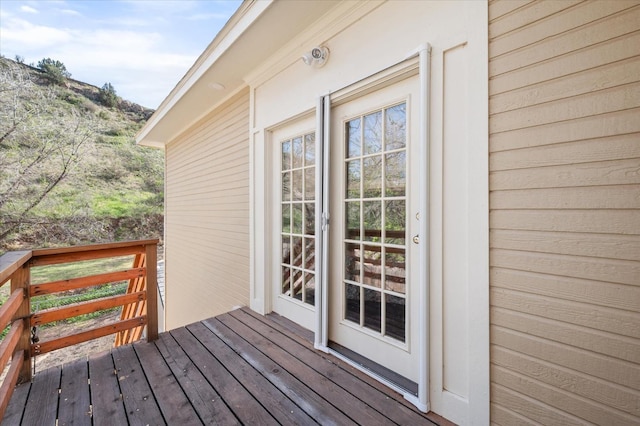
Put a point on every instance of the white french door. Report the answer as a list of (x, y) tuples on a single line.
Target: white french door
[(294, 220), (370, 276), (372, 195), (373, 272)]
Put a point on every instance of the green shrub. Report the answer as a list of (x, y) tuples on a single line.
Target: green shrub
[(72, 98), (55, 70), (115, 131), (89, 106), (108, 96)]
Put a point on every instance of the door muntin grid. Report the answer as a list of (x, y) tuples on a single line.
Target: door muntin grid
[(298, 197), (375, 206)]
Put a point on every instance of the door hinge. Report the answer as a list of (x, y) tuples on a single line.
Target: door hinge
[(325, 221)]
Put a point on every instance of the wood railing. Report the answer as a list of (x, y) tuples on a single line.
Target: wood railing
[(139, 303)]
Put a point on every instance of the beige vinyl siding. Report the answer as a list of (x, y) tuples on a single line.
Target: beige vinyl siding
[(565, 211), (207, 216)]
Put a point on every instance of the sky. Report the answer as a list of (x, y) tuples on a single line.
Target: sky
[(142, 47)]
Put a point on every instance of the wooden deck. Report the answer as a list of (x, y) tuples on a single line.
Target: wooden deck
[(237, 368)]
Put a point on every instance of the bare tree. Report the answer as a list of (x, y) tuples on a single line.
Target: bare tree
[(38, 149)]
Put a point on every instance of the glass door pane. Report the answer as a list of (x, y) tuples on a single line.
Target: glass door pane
[(375, 222), (298, 243)]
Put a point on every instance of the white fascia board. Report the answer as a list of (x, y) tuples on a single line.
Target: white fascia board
[(242, 19)]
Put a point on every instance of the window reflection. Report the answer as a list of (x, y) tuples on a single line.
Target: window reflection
[(296, 185), (309, 218), (372, 218), (372, 309), (286, 280), (395, 317), (395, 174), (353, 138), (394, 270), (309, 288), (395, 133), (375, 221), (395, 221), (372, 174), (286, 155), (353, 219), (352, 262), (310, 183), (353, 179), (298, 191), (372, 266), (297, 218), (286, 218), (310, 149), (286, 186), (373, 133), (297, 152), (352, 303)]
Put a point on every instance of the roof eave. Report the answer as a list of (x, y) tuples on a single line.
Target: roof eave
[(154, 133), (251, 38)]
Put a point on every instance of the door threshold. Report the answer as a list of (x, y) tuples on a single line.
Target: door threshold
[(390, 378)]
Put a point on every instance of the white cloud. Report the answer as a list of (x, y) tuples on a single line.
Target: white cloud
[(28, 9), (167, 6), (133, 22), (25, 36), (134, 62), (70, 12), (207, 16)]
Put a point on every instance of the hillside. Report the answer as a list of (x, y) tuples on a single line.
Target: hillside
[(70, 172)]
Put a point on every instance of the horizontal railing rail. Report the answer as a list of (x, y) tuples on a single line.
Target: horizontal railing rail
[(139, 303)]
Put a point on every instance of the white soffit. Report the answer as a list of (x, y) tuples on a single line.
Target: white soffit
[(256, 31)]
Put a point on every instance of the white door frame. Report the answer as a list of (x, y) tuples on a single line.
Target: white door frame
[(420, 60), (477, 405)]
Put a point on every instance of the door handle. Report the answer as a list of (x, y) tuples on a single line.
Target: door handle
[(416, 239)]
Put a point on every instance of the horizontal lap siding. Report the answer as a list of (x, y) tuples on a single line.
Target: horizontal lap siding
[(565, 211), (207, 216)]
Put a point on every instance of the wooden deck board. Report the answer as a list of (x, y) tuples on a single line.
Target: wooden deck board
[(204, 398), (304, 337), (352, 383), (139, 403), (349, 405), (292, 328), (74, 407), (294, 388), (173, 403), (106, 399), (237, 368), (244, 406), (284, 410), (42, 404), (17, 404)]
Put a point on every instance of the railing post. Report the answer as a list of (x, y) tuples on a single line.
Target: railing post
[(151, 255), (21, 279)]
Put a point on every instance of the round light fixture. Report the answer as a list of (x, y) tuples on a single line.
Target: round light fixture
[(317, 57)]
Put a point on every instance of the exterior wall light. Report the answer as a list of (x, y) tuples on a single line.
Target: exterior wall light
[(317, 57)]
